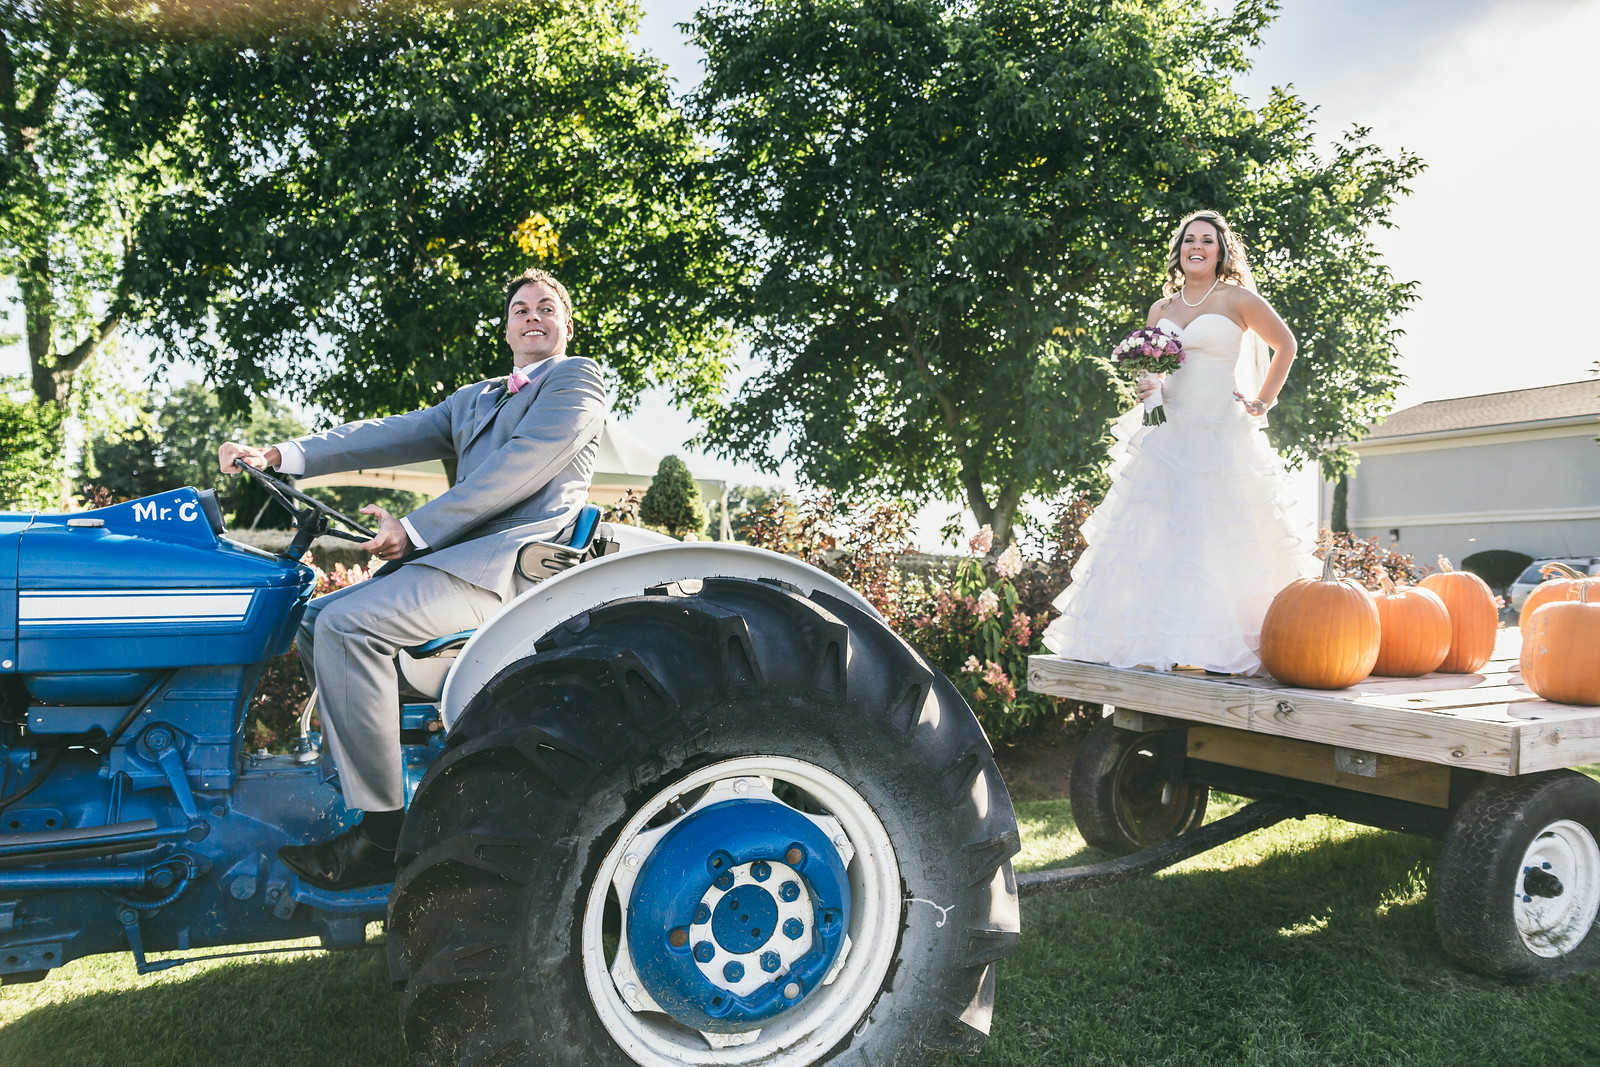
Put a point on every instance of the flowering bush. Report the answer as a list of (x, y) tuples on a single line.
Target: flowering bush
[(976, 629), (978, 623), (273, 719)]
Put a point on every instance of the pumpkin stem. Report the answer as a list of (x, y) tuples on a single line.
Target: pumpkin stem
[(1551, 569), (1327, 565), (1387, 583), (1444, 565)]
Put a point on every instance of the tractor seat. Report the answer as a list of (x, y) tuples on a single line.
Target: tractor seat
[(423, 668)]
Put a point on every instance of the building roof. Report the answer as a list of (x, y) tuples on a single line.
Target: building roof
[(1546, 403)]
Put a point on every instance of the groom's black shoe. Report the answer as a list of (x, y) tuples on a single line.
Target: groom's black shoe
[(349, 861)]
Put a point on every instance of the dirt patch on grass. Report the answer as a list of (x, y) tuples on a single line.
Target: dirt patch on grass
[(1037, 764)]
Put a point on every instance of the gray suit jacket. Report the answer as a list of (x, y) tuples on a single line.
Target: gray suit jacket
[(522, 473)]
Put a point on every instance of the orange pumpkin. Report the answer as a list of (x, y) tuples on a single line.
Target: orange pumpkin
[(1320, 633), (1415, 631), (1561, 583), (1561, 650), (1473, 617)]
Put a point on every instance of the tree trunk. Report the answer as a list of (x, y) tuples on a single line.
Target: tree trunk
[(1340, 520)]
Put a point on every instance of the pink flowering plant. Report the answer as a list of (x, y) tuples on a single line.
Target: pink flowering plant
[(975, 628), (1145, 353)]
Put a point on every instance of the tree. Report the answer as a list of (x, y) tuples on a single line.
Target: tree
[(176, 444), (30, 434), (67, 207), (328, 197), (360, 188), (958, 208), (673, 499), (743, 503)]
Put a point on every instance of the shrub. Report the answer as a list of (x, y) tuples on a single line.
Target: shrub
[(1365, 560), (673, 500), (30, 451), (976, 622)]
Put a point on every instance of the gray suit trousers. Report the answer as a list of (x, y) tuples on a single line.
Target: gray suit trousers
[(348, 641)]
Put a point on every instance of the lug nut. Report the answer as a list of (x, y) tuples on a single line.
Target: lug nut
[(631, 860), (678, 938), (702, 915), (734, 971), (761, 870), (789, 891), (793, 929), (770, 962), (723, 880), (704, 951)]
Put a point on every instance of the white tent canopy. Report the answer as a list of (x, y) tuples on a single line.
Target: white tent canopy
[(622, 463)]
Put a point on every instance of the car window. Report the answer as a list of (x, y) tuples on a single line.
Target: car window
[(1532, 575)]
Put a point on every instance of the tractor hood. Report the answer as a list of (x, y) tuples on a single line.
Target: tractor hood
[(144, 584)]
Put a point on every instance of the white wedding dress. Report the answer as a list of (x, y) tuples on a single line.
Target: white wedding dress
[(1198, 532)]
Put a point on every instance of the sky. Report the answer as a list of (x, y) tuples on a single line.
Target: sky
[(1498, 99)]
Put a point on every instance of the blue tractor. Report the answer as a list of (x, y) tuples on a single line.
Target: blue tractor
[(677, 803)]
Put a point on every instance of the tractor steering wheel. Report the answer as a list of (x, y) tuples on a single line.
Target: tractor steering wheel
[(311, 519)]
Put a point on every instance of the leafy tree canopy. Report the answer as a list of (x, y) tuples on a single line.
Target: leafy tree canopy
[(327, 198), (175, 443), (957, 209), (673, 499)]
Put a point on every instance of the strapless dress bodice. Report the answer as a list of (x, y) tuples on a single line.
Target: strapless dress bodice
[(1202, 389)]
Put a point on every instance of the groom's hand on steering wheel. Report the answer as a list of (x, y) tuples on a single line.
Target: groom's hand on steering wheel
[(392, 541), (231, 455)]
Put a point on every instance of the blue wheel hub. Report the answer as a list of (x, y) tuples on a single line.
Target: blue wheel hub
[(738, 914)]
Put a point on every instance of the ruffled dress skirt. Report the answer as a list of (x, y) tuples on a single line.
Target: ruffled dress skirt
[(1197, 534)]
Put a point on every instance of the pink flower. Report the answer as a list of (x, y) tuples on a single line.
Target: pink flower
[(988, 604), (1021, 631), (993, 673), (981, 542), (1009, 565), (971, 665)]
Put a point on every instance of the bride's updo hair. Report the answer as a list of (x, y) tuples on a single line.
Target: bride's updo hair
[(1232, 266)]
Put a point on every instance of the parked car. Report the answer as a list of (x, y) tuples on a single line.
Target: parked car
[(1530, 578)]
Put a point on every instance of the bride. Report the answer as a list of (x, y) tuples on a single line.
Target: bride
[(1199, 530)]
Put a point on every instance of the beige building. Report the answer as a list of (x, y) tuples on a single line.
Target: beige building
[(1518, 470)]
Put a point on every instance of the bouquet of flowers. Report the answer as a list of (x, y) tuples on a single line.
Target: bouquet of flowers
[(1145, 353)]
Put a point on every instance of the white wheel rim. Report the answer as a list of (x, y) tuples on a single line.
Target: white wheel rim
[(1552, 926), (805, 1032)]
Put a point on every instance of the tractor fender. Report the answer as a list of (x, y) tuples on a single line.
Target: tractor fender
[(510, 634)]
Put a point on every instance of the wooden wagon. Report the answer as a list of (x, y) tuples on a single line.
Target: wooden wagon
[(1477, 760)]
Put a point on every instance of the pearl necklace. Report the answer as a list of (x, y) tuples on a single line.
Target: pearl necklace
[(1202, 300)]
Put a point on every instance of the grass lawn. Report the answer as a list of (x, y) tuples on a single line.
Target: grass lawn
[(1309, 943)]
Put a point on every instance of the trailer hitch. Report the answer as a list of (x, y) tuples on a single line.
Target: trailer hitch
[(1159, 857)]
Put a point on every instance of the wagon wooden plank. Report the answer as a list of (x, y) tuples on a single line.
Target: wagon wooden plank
[(1487, 721), (1393, 776), (1300, 713)]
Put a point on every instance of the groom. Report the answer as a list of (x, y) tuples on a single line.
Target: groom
[(525, 451)]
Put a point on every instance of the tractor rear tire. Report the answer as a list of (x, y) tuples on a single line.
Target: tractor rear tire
[(504, 923), (1120, 800)]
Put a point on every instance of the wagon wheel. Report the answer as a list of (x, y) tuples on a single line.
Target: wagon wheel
[(1518, 884), (1121, 800)]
